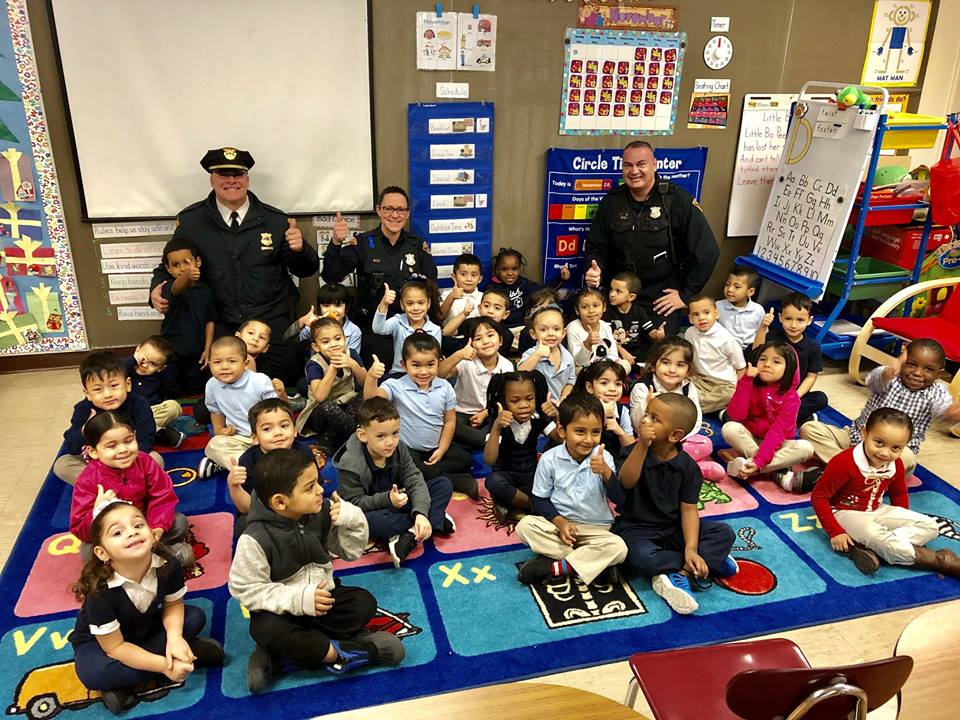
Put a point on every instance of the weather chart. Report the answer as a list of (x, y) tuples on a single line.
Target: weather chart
[(620, 81)]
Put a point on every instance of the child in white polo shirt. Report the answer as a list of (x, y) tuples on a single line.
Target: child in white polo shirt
[(473, 366), (717, 356), (427, 412)]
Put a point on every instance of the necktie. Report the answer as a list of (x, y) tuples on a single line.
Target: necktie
[(234, 221)]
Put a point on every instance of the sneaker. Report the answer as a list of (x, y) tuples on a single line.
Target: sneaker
[(607, 576), (808, 478), (262, 668), (183, 552), (722, 417), (400, 546), (320, 455), (353, 655), (533, 571), (169, 437), (208, 652), (734, 466), (297, 403), (675, 590), (390, 650), (865, 559), (728, 569), (208, 468), (814, 418), (119, 700), (449, 527), (788, 480), (500, 512)]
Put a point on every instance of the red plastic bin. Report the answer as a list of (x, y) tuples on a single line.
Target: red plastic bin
[(879, 198), (899, 245)]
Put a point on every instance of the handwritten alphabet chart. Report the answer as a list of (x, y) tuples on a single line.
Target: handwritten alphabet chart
[(620, 82)]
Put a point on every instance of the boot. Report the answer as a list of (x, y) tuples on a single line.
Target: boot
[(865, 559), (949, 562), (944, 562)]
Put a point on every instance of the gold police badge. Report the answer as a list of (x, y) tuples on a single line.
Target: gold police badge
[(655, 212), (266, 241), (230, 153)]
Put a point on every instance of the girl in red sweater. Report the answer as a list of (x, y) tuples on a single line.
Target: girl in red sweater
[(848, 500), (118, 466), (765, 406)]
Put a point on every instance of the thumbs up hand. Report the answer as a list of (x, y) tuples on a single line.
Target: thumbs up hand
[(469, 352), (237, 475), (549, 408), (504, 417), (293, 236), (340, 230), (767, 320), (389, 296), (334, 508), (377, 368), (398, 498), (598, 463), (593, 275), (659, 333), (565, 272)]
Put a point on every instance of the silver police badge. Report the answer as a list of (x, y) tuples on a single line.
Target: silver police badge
[(655, 212), (410, 260)]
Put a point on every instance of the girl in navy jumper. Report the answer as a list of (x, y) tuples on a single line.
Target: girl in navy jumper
[(133, 624), (765, 405), (604, 380), (511, 449)]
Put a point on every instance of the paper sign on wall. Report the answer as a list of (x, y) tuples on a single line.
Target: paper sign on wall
[(898, 35), (456, 41)]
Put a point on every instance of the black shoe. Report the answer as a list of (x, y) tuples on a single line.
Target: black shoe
[(608, 576), (297, 403), (169, 437), (208, 468), (400, 546), (533, 571), (116, 701), (865, 559), (209, 652), (808, 478), (449, 527), (390, 649), (261, 669), (500, 512)]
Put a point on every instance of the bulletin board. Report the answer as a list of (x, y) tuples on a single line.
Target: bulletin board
[(451, 180), (620, 82), (39, 304), (812, 194)]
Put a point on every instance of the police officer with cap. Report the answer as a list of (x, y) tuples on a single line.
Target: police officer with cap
[(655, 229), (387, 255), (249, 251)]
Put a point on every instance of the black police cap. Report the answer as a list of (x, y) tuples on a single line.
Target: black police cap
[(227, 159)]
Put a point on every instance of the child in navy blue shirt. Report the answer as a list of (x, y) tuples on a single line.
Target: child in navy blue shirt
[(146, 369), (427, 407), (657, 496), (189, 322), (105, 387)]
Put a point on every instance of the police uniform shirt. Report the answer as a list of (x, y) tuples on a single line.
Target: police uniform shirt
[(227, 214), (627, 234)]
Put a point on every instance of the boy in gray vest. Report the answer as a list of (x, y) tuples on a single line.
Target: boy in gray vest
[(282, 573)]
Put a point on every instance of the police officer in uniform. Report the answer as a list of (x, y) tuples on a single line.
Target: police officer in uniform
[(386, 255), (249, 250), (655, 229)]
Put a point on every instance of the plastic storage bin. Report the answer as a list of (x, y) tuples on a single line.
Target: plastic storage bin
[(880, 198), (899, 245), (902, 139), (874, 269)]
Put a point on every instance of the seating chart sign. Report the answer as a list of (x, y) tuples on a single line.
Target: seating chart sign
[(620, 82)]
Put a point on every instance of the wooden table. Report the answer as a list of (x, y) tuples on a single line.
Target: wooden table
[(513, 701), (932, 639)]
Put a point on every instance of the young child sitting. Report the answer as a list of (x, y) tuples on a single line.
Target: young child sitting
[(189, 322), (495, 304), (133, 624), (508, 265), (739, 314), (762, 419), (256, 336), (632, 328), (511, 448), (667, 370), (604, 380), (333, 375), (549, 356), (538, 299), (378, 475), (571, 531), (119, 467), (590, 337), (796, 314), (657, 496), (146, 368), (848, 501), (105, 387), (282, 572), (427, 411), (230, 394), (467, 273), (909, 384), (415, 303), (717, 355), (333, 301), (473, 366), (271, 421)]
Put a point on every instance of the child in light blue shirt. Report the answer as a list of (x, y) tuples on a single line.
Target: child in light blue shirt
[(549, 356), (416, 303)]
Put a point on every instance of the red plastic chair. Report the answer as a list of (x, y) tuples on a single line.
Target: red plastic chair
[(760, 680), (944, 328)]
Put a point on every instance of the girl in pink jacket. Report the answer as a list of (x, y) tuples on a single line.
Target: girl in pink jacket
[(765, 406), (118, 467)]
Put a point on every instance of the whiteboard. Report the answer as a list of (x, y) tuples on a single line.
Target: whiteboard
[(152, 86), (763, 129), (816, 184)]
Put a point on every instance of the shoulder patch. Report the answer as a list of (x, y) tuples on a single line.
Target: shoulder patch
[(696, 204), (426, 248)]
